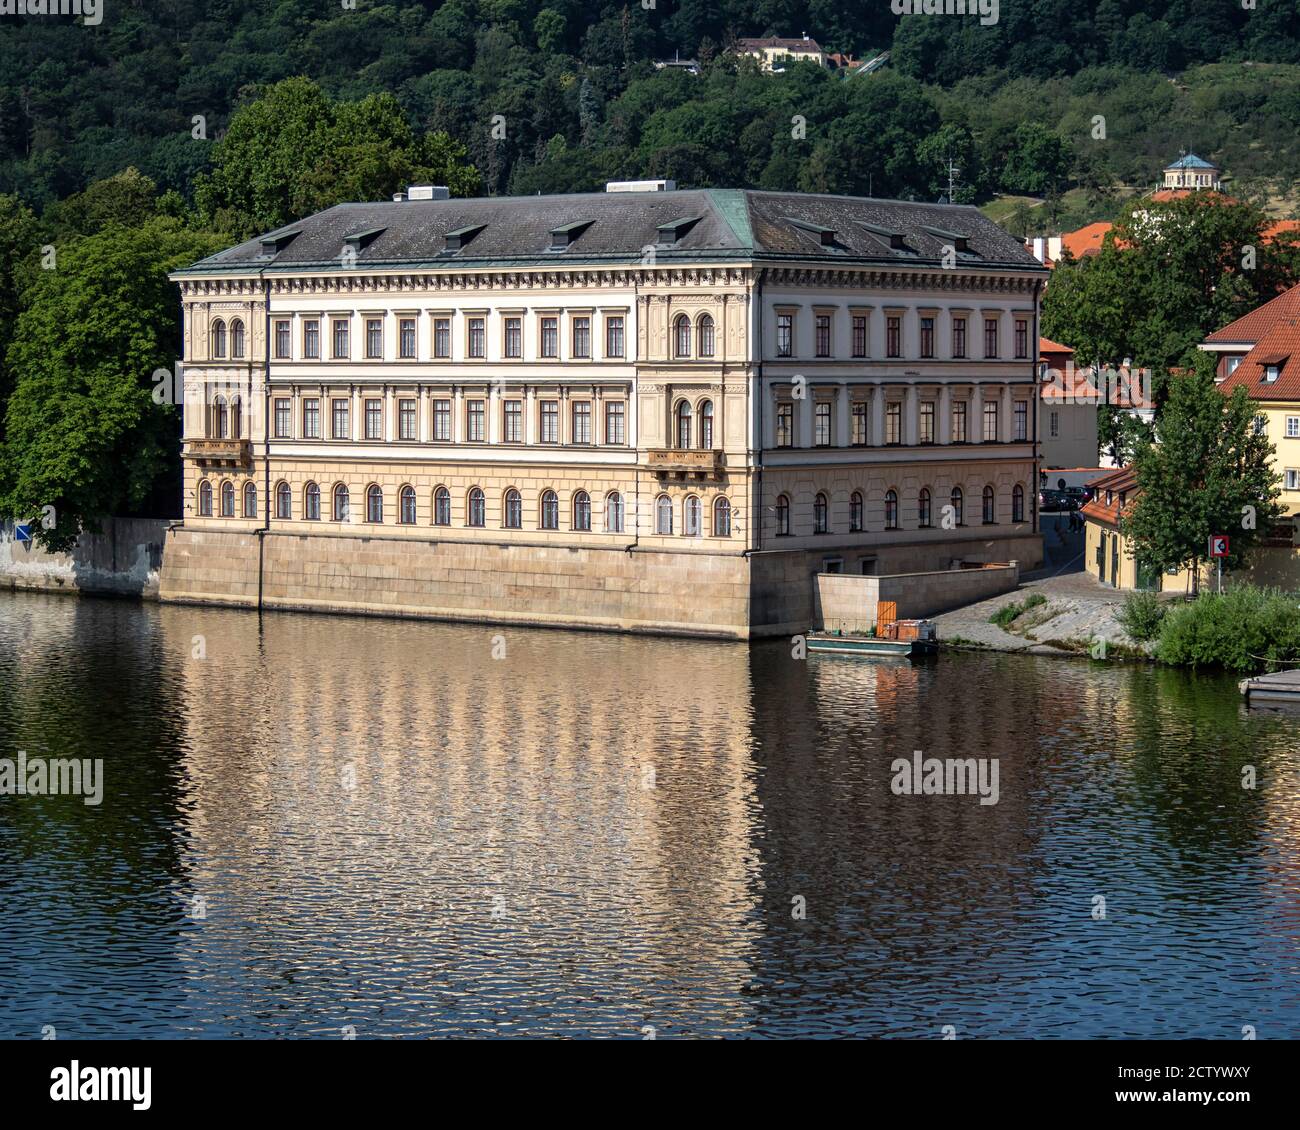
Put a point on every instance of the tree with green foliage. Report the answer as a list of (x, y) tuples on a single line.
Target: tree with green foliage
[(20, 251), (294, 151), (83, 431), (1167, 274), (1207, 473), (1121, 434)]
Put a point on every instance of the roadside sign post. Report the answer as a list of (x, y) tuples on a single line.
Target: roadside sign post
[(1219, 550)]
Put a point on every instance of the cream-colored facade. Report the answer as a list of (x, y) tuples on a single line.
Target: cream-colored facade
[(721, 407)]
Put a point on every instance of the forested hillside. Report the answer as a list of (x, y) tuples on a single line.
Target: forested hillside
[(579, 99)]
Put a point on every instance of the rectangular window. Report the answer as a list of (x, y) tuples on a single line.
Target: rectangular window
[(785, 335), (959, 337), (514, 343), (475, 417), (1293, 427), (340, 343), (581, 422), (959, 432), (550, 337), (614, 336), (342, 420), (476, 343), (927, 421), (927, 337), (374, 337), (859, 335), (442, 420), (990, 337), (311, 338), (442, 338), (1022, 419), (860, 425), (514, 421), (822, 424), (406, 419), (1292, 479), (1022, 338), (1054, 424), (614, 431), (893, 336), (1261, 425), (281, 417), (894, 422), (990, 421), (374, 419), (406, 332), (785, 425), (582, 337), (282, 340), (311, 418), (823, 335), (550, 421)]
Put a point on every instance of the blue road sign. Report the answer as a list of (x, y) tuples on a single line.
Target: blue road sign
[(23, 533)]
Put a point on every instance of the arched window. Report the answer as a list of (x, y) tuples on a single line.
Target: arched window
[(663, 515), (311, 503), (477, 508), (820, 514), (582, 511), (856, 510), (341, 503), (683, 425), (891, 509), (442, 507), (923, 507), (782, 515), (406, 506), (550, 510), (250, 499), (514, 510), (1017, 503), (218, 338), (235, 421), (374, 503), (227, 500), (283, 500), (237, 338), (957, 500), (682, 336), (990, 514), (614, 513), (220, 418), (721, 517), (691, 516), (704, 335), (205, 499), (706, 425)]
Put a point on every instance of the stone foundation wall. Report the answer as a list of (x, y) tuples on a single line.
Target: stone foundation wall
[(692, 593), (848, 603), (123, 559)]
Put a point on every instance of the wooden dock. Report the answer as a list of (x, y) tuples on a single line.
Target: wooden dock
[(1280, 688)]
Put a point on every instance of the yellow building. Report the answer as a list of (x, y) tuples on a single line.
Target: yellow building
[(775, 53), (1107, 553), (656, 410)]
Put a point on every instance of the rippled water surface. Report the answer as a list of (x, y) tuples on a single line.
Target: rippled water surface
[(592, 835)]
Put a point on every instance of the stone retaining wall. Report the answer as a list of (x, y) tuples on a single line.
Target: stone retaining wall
[(123, 559), (848, 603)]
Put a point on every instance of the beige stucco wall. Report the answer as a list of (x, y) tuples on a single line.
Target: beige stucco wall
[(848, 603)]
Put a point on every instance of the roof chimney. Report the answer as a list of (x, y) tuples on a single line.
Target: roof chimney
[(428, 192)]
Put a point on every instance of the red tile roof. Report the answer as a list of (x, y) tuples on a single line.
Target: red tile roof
[(1279, 346), (1047, 345), (1250, 328), (1087, 240), (1122, 481), (1072, 385), (1164, 195)]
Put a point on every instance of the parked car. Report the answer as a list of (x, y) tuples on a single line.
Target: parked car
[(1081, 496), (1052, 500)]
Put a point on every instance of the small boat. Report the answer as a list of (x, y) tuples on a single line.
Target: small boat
[(919, 638), (1279, 688)]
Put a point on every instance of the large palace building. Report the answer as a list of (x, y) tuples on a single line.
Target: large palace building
[(642, 409)]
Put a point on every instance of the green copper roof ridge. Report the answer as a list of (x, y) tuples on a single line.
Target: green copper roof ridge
[(732, 204)]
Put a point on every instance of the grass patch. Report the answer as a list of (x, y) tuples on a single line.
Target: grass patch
[(1009, 612)]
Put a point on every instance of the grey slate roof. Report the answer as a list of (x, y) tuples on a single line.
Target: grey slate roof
[(730, 225)]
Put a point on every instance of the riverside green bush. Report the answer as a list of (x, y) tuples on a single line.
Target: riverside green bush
[(1246, 629), (1142, 615)]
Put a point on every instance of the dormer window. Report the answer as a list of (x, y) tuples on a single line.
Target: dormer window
[(566, 236), (1271, 373), (1272, 367)]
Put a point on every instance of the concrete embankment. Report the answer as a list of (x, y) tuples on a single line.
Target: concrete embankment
[(123, 559)]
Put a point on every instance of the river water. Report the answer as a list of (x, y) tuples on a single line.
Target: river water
[(319, 826)]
